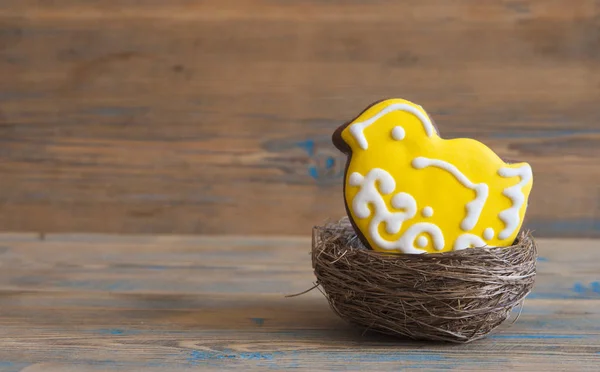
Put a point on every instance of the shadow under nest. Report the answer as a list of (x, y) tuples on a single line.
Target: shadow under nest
[(457, 296)]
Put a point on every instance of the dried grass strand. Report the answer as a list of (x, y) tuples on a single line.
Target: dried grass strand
[(458, 296)]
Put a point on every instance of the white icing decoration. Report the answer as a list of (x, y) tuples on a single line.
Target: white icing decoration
[(398, 133), (358, 129), (510, 216), (369, 194), (427, 212), (405, 201), (355, 179), (488, 234), (474, 207), (422, 241), (467, 241), (407, 241)]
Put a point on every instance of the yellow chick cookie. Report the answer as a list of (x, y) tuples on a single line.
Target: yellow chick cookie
[(407, 190)]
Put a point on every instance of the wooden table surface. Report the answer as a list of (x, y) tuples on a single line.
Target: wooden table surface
[(163, 303)]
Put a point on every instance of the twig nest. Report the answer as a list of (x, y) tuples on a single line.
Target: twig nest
[(457, 296)]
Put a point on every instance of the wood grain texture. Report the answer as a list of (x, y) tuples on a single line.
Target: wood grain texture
[(168, 303), (215, 117)]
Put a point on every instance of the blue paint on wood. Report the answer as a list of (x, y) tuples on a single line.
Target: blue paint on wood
[(574, 293), (312, 171), (7, 366), (199, 356), (95, 285), (203, 355), (582, 289), (321, 164), (421, 358), (308, 146), (256, 356), (425, 357), (113, 332), (330, 162), (579, 288), (258, 321), (543, 259)]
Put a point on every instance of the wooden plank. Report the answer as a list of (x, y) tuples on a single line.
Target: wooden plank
[(99, 263), (217, 303), (163, 117)]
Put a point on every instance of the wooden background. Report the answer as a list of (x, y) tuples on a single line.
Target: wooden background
[(215, 117)]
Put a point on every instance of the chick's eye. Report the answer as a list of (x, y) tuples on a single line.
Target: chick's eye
[(398, 133)]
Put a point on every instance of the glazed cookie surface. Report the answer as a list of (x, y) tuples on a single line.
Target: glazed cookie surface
[(408, 190)]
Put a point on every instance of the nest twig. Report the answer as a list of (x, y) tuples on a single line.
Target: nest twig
[(458, 296)]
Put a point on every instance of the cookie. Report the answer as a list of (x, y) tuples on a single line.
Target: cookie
[(407, 190)]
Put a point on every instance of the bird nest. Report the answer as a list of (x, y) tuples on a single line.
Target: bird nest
[(458, 296)]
